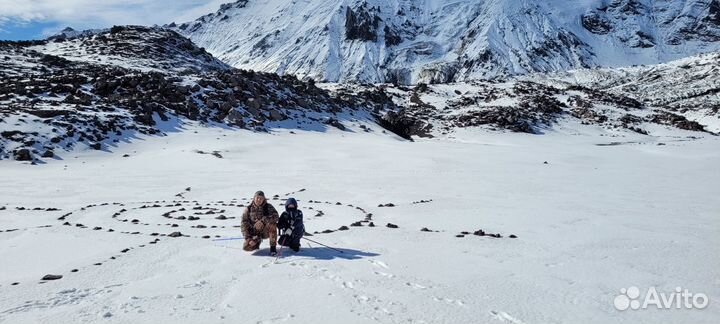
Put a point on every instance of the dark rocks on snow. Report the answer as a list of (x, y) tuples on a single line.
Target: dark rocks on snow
[(391, 225), (512, 236), (52, 277), (361, 23), (221, 217), (23, 155), (175, 234), (343, 228), (356, 224), (671, 119), (425, 229)]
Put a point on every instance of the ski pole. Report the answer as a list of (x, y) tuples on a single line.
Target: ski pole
[(329, 247)]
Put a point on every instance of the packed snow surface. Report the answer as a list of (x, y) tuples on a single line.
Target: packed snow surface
[(607, 211)]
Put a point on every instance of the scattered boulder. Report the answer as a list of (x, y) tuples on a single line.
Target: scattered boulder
[(391, 225), (175, 234), (52, 277), (23, 155)]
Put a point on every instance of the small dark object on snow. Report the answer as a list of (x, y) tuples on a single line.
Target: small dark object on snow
[(15, 283), (111, 230), (425, 229), (221, 217), (327, 231), (74, 270), (126, 155), (125, 250), (546, 162), (175, 234), (66, 223), (356, 224), (465, 233), (371, 224), (391, 225), (459, 235), (343, 228), (387, 205), (52, 277), (206, 236), (479, 233), (97, 228), (513, 236), (193, 218), (23, 155)]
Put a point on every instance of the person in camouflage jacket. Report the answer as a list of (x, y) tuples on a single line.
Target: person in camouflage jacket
[(259, 221)]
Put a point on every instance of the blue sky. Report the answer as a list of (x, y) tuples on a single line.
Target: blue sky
[(37, 19)]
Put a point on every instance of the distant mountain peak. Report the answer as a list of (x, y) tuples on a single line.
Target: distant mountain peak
[(432, 41)]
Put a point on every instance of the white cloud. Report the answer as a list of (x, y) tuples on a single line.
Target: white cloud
[(82, 14)]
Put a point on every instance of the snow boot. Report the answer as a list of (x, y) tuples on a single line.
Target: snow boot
[(295, 247), (273, 251)]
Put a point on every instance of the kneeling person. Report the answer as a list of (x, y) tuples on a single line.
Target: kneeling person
[(259, 221), (291, 225)]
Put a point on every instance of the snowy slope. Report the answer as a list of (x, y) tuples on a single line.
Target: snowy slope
[(593, 220), (100, 90), (688, 86), (435, 41)]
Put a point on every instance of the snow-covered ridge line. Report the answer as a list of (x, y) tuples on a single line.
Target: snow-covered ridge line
[(408, 42)]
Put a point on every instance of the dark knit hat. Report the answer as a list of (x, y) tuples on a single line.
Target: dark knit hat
[(259, 193)]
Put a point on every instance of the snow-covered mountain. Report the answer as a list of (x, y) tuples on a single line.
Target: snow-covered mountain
[(97, 89), (436, 41)]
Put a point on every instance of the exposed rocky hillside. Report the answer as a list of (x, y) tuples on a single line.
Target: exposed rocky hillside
[(102, 89), (681, 95)]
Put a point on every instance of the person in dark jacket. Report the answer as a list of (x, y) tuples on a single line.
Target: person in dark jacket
[(290, 225)]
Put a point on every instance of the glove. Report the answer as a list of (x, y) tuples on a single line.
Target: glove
[(287, 232), (259, 226)]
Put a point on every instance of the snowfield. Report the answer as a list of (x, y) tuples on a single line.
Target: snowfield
[(607, 211)]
